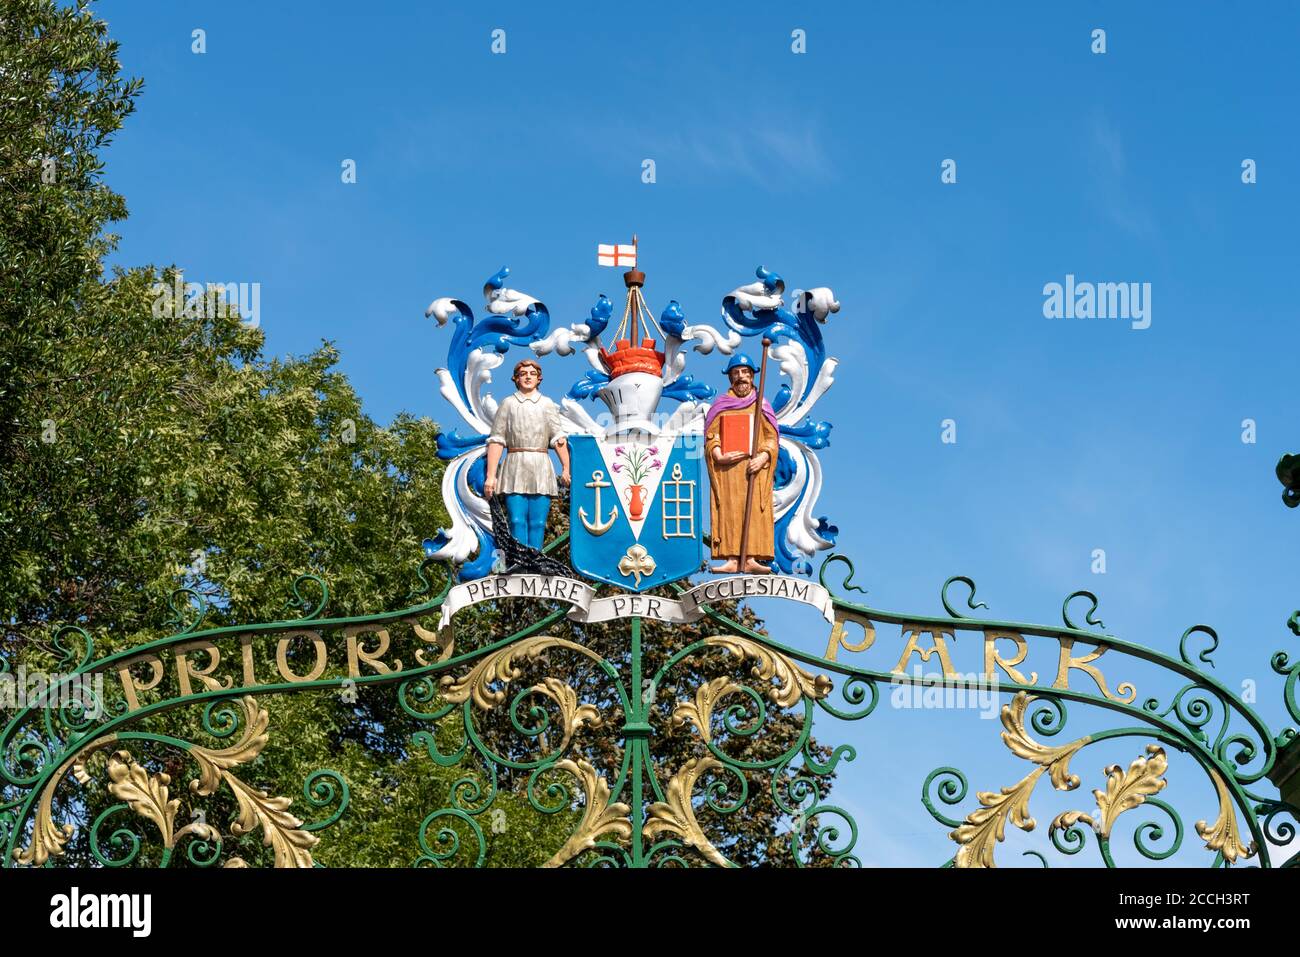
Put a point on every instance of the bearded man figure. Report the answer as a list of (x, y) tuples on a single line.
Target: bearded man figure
[(733, 453)]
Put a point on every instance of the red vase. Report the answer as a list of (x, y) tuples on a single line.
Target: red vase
[(636, 504)]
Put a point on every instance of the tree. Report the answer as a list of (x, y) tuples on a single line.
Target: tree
[(62, 100)]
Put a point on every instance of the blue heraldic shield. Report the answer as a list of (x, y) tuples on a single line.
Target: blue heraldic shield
[(636, 509)]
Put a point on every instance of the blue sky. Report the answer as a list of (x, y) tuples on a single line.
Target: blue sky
[(1072, 434)]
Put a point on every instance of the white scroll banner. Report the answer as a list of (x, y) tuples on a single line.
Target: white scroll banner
[(567, 590), (759, 586), (587, 608)]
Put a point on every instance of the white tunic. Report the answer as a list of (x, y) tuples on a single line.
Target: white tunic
[(526, 422)]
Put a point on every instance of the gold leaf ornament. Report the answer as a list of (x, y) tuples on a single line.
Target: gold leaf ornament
[(700, 711), (148, 795), (985, 827), (676, 815), (1224, 835), (476, 684), (1055, 759), (599, 816), (572, 715), (48, 839), (792, 681), (282, 831), (1125, 790)]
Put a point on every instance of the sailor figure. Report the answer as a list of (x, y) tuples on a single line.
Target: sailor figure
[(526, 425)]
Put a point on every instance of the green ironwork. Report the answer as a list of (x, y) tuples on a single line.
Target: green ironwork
[(632, 809)]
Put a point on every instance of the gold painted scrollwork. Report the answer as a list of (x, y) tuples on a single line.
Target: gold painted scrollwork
[(985, 827), (700, 711), (1055, 759), (476, 684), (599, 816), (149, 797), (794, 681), (1125, 790), (281, 830), (790, 683), (676, 815), (49, 839), (1224, 835), (572, 715)]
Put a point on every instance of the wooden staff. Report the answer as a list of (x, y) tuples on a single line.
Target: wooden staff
[(749, 491)]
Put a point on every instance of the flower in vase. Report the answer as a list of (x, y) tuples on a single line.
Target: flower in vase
[(617, 466), (656, 464)]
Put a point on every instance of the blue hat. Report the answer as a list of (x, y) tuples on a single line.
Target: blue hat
[(740, 361)]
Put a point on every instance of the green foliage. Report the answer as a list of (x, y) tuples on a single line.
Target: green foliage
[(62, 100)]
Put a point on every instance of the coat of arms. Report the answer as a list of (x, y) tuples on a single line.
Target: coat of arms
[(650, 487)]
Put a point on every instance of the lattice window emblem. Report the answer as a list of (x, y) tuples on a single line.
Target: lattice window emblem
[(679, 505)]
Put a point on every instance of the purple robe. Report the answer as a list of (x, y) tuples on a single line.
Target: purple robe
[(726, 402)]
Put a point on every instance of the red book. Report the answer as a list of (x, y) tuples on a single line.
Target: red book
[(735, 432)]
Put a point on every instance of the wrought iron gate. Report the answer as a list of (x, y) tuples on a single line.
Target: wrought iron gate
[(520, 714)]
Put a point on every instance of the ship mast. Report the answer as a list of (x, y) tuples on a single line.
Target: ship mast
[(634, 280), (640, 351)]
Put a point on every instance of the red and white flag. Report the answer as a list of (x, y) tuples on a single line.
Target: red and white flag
[(620, 255)]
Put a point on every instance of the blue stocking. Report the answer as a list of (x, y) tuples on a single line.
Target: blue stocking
[(517, 512), (539, 506)]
